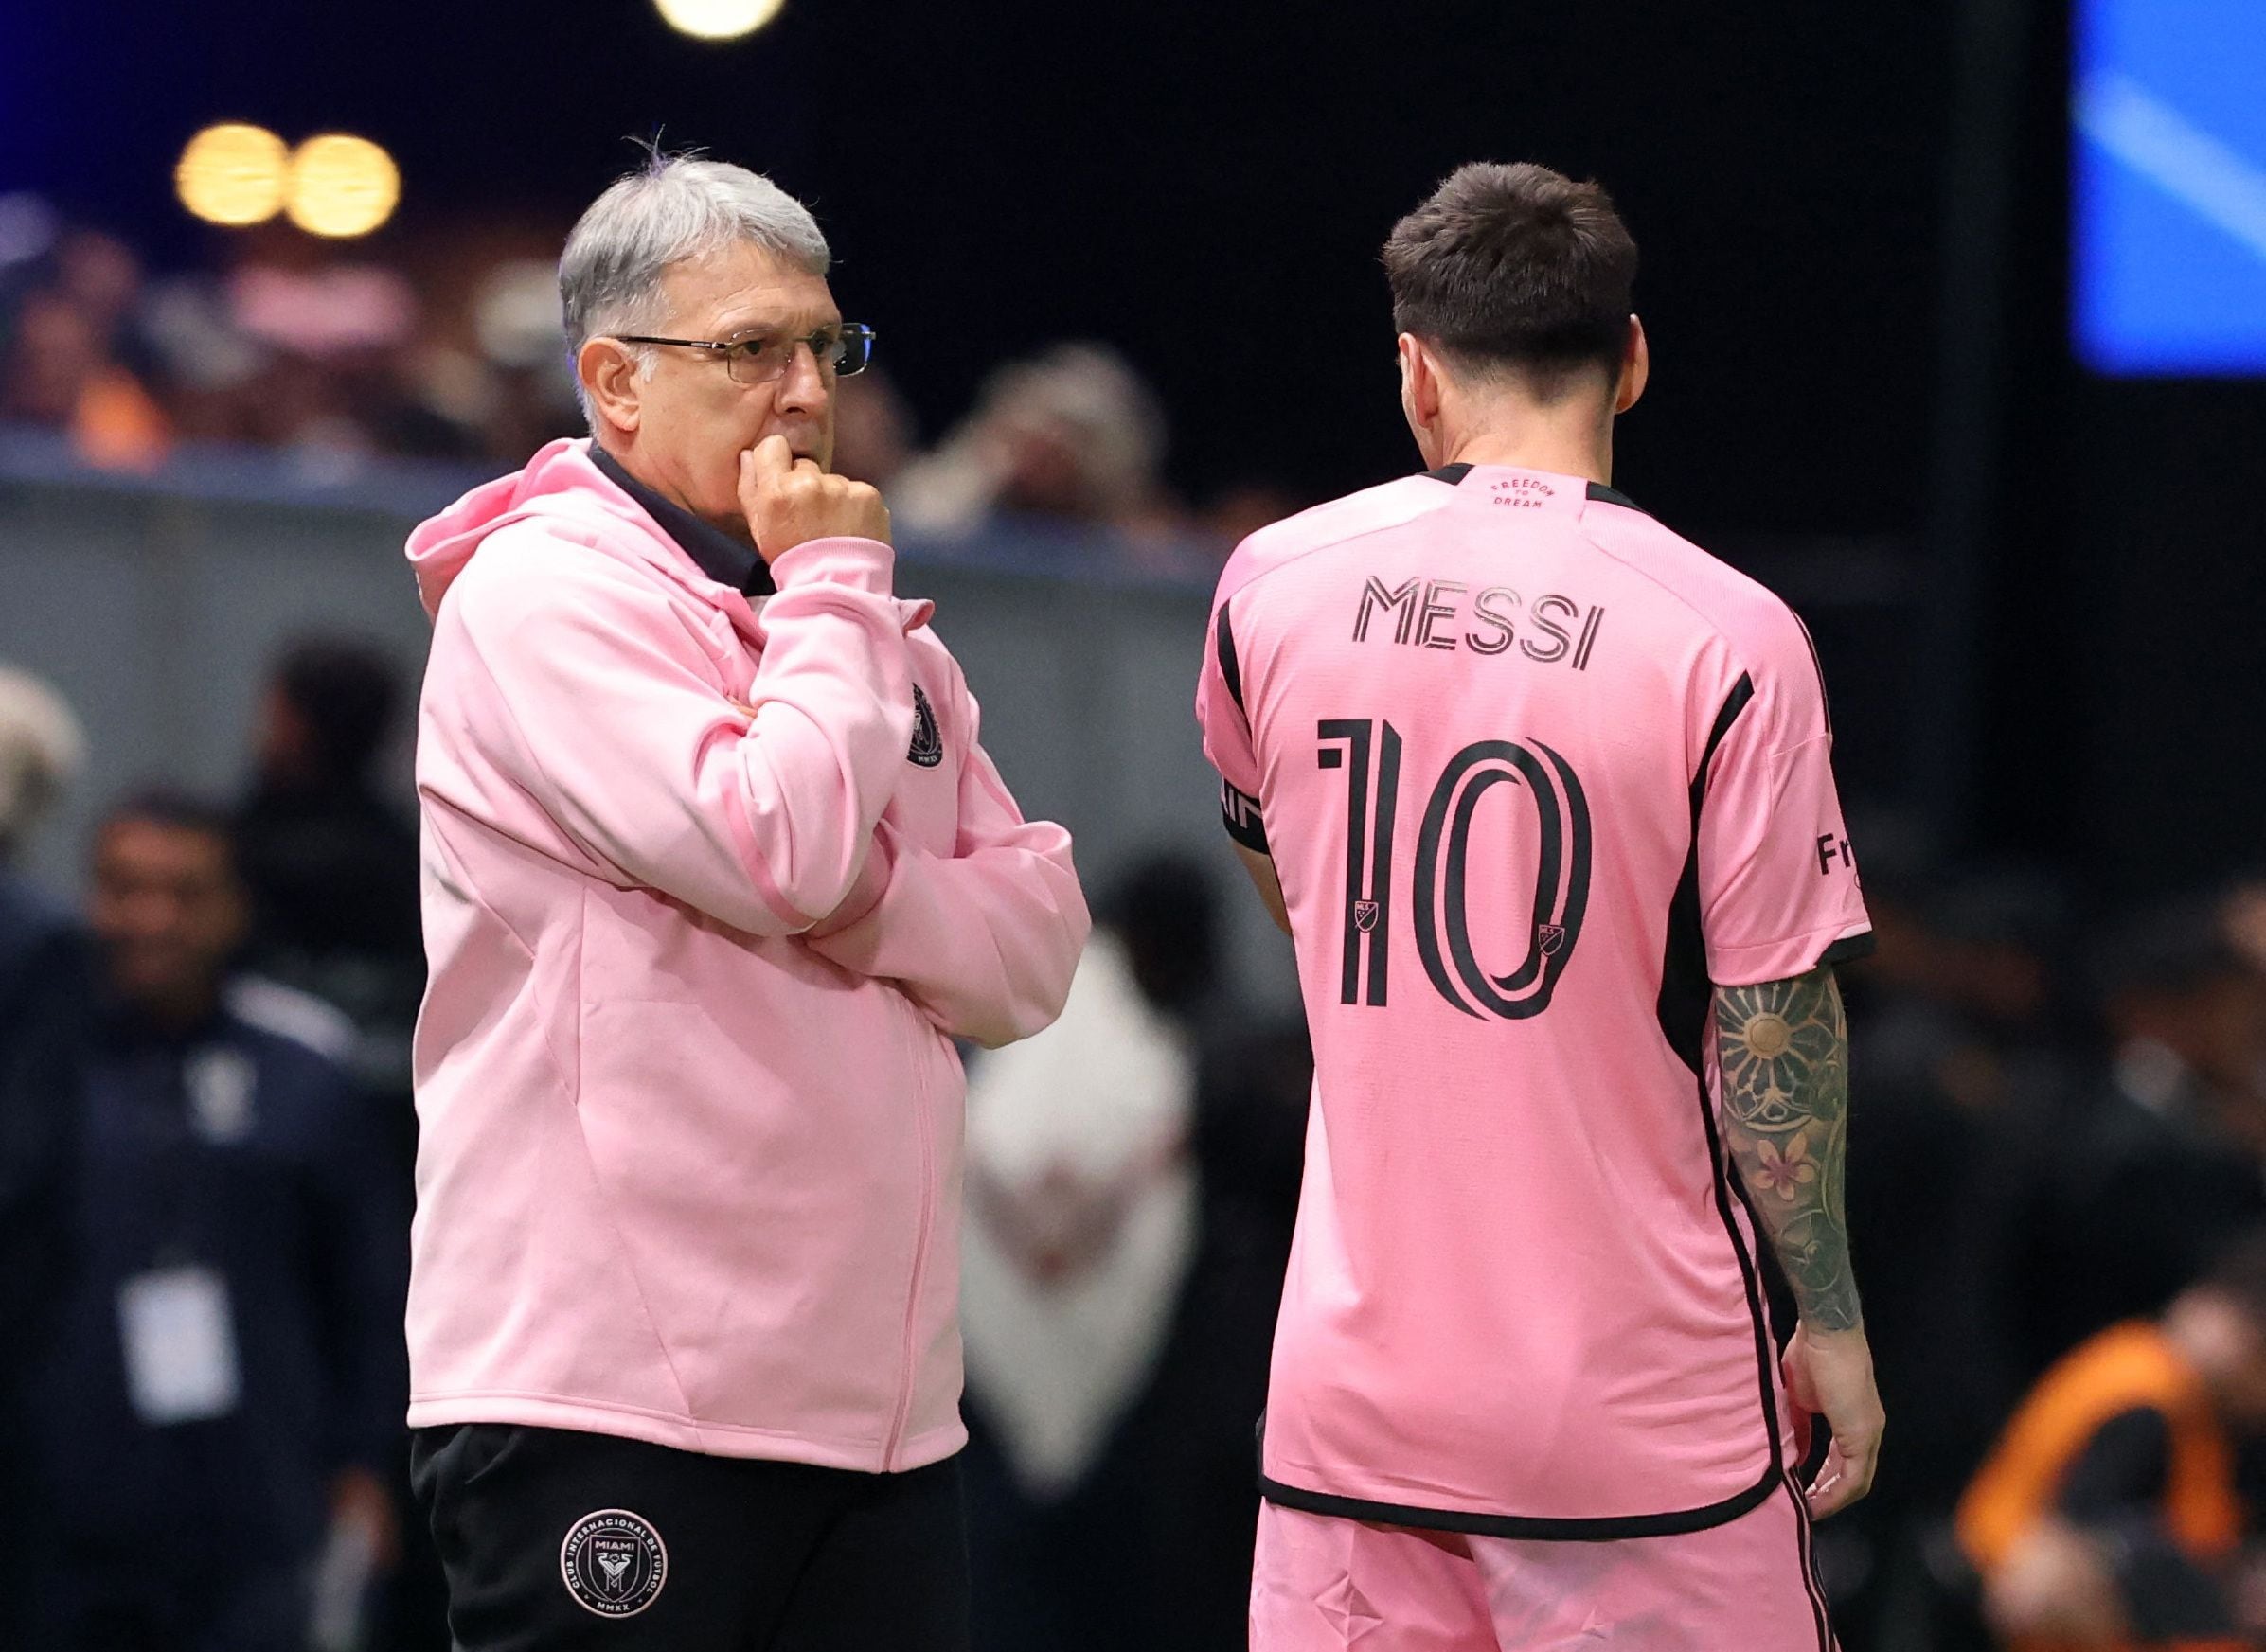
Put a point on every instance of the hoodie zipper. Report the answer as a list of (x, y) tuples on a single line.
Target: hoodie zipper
[(924, 1128)]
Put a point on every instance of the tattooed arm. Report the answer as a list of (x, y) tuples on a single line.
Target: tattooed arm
[(1783, 1050)]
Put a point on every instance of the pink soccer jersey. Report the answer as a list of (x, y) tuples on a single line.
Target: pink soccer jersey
[(1534, 772)]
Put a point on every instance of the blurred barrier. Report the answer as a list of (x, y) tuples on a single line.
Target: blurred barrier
[(156, 601)]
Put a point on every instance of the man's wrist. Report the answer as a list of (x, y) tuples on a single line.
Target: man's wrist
[(861, 564), (1838, 1329)]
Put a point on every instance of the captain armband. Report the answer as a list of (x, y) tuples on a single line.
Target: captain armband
[(1238, 812)]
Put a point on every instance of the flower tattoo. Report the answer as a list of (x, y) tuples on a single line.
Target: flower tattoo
[(1782, 1055)]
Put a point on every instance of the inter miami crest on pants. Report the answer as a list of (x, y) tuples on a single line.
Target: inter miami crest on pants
[(613, 1563), (928, 744)]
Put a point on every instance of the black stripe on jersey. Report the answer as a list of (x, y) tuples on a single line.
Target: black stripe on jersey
[(1825, 701), (1806, 1554), (1598, 491), (1231, 668), (1606, 1529), (1687, 997), (1381, 852), (1238, 812), (1454, 474), (1685, 992), (1741, 694), (1849, 949)]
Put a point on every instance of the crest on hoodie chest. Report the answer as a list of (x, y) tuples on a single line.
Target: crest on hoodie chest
[(926, 751), (928, 741)]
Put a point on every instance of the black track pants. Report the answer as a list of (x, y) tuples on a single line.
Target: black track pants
[(556, 1542)]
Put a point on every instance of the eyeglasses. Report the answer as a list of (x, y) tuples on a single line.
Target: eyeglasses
[(842, 351)]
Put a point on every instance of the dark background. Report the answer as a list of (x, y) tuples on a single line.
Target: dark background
[(1206, 187), (1854, 231)]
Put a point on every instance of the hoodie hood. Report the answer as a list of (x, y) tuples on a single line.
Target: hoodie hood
[(558, 482), (580, 503)]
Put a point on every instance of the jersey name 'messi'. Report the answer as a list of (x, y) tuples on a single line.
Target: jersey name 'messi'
[(1435, 614)]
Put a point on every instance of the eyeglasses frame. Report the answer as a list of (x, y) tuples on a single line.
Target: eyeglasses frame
[(721, 349)]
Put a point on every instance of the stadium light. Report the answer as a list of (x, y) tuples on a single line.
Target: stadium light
[(718, 19), (233, 174), (342, 185)]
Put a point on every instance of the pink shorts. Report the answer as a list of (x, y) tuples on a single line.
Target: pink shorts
[(1322, 1584)]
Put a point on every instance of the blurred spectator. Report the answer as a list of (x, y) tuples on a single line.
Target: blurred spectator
[(1081, 1228), (2244, 914), (329, 860), (451, 350), (43, 992), (1964, 993), (60, 371), (29, 227), (102, 278), (873, 428), (332, 867), (1116, 1302), (492, 382), (204, 362), (42, 750), (526, 387), (217, 1407), (2146, 1173), (324, 313), (291, 347), (2116, 1508), (1073, 435), (330, 339), (1242, 510), (1082, 1221), (1949, 1087)]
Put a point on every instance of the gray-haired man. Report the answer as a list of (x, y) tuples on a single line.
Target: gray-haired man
[(715, 872)]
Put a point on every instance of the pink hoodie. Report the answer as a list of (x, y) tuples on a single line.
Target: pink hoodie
[(706, 904)]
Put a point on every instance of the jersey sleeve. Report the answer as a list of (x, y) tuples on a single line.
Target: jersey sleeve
[(1221, 712), (1778, 889)]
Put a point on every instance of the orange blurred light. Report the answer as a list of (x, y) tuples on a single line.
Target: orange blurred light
[(342, 185), (233, 174)]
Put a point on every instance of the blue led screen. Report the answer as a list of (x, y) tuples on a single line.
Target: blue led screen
[(2168, 127)]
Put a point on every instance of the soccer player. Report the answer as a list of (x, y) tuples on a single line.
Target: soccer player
[(1543, 795)]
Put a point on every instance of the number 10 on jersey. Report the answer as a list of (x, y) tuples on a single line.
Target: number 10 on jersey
[(1441, 893)]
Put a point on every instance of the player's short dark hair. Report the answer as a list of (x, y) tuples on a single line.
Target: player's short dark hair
[(1515, 268)]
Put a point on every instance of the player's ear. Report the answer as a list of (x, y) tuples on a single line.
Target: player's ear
[(1420, 398), (1419, 383), (1636, 367), (608, 369)]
